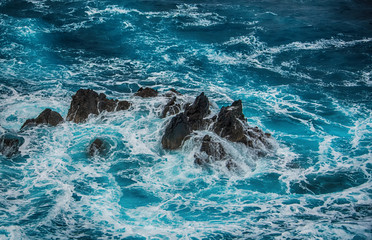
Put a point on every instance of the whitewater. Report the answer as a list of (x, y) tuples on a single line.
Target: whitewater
[(301, 68)]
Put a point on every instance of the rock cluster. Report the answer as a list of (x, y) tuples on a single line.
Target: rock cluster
[(230, 124), (87, 101)]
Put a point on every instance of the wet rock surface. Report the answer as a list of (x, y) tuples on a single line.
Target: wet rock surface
[(210, 151), (229, 123), (48, 117), (197, 111), (98, 147), (184, 123), (175, 132), (232, 125), (171, 108), (87, 101), (9, 144), (146, 92)]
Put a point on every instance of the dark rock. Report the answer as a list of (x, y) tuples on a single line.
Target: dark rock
[(146, 92), (184, 123), (210, 151), (9, 144), (84, 103), (197, 112), (171, 108), (212, 148), (232, 125), (98, 147), (175, 132), (229, 123), (87, 101), (123, 105), (48, 117)]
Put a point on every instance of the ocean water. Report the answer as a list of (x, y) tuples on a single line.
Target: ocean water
[(302, 69)]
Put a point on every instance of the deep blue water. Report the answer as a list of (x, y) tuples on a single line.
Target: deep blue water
[(302, 69)]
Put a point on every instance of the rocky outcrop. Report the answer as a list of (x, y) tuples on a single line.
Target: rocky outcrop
[(184, 123), (232, 125), (48, 117), (9, 144), (175, 132), (146, 92), (230, 122), (98, 147), (197, 111), (87, 101)]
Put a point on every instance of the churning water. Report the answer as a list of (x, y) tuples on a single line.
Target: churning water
[(302, 69)]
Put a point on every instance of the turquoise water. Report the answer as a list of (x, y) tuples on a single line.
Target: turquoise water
[(302, 69)]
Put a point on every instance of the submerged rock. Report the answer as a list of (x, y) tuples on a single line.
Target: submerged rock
[(210, 151), (87, 101), (172, 92), (9, 144), (146, 92), (171, 108), (175, 132), (48, 117), (98, 147)]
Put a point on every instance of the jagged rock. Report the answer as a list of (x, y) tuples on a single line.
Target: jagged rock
[(9, 144), (87, 101), (184, 123), (232, 125), (171, 108), (197, 112), (98, 147), (48, 117), (229, 123), (146, 92), (175, 132)]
